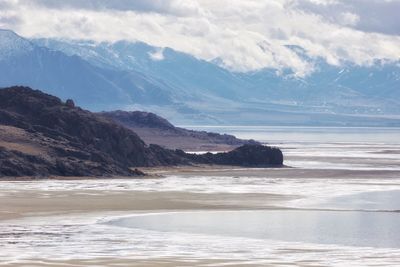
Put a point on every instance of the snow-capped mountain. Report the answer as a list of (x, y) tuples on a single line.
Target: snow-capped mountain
[(346, 89), (184, 89)]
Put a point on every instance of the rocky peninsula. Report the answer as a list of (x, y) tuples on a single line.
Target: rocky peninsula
[(42, 136)]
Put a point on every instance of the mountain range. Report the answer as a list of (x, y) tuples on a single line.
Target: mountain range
[(186, 90)]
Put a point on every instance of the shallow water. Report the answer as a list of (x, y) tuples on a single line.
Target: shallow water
[(367, 201), (349, 228)]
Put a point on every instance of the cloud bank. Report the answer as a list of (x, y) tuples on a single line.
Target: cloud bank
[(245, 35)]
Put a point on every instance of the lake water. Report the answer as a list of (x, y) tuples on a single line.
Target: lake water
[(276, 134)]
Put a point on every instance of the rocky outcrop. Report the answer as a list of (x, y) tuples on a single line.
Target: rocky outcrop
[(246, 155), (69, 141)]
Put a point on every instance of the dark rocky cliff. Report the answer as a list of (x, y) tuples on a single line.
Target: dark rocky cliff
[(246, 155)]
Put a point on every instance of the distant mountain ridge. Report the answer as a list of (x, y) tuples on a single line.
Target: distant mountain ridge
[(71, 76), (185, 90)]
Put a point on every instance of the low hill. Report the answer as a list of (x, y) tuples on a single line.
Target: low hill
[(154, 129)]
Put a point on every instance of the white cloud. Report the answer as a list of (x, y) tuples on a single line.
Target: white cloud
[(244, 35), (371, 16), (348, 18), (172, 7), (324, 2)]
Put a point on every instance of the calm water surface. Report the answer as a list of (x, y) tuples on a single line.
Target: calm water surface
[(350, 228)]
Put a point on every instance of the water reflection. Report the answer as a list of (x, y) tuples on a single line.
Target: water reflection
[(353, 228), (372, 201)]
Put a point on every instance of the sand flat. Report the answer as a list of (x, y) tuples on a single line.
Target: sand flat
[(39, 203)]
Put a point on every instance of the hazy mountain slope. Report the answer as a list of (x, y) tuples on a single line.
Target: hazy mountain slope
[(12, 45), (345, 90), (186, 74)]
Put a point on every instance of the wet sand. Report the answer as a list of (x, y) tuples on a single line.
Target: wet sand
[(43, 203)]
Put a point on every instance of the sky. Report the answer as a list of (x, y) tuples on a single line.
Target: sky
[(243, 35)]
